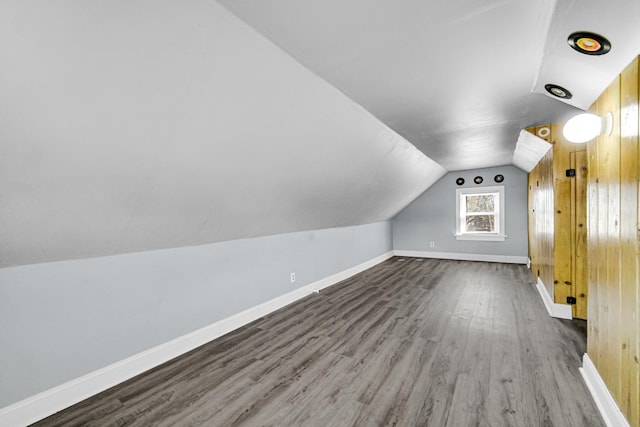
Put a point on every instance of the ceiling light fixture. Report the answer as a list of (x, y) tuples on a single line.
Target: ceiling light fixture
[(589, 43), (544, 132), (584, 127), (558, 91)]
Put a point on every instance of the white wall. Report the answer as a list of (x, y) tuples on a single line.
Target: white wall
[(134, 126), (131, 133), (62, 320), (432, 216)]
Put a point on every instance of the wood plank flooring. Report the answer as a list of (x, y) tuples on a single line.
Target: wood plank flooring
[(410, 342)]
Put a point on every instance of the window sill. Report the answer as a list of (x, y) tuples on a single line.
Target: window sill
[(482, 237)]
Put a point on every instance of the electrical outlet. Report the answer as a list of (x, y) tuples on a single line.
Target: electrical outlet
[(293, 277), (432, 244)]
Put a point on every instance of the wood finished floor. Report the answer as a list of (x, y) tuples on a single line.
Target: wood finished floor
[(410, 342)]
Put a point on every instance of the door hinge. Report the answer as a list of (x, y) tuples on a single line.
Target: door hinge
[(571, 300), (570, 172)]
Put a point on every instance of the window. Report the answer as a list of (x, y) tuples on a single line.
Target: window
[(480, 213)]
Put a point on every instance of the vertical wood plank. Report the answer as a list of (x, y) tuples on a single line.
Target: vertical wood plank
[(613, 246), (541, 208), (579, 266), (636, 355), (562, 279), (593, 222), (531, 214), (611, 163), (600, 256), (545, 220), (534, 251), (574, 232), (629, 124)]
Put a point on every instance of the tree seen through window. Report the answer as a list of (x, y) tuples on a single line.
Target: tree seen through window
[(480, 213)]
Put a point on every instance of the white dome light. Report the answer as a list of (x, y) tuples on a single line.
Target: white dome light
[(585, 127)]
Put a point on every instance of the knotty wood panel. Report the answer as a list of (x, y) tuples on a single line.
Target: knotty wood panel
[(559, 274), (408, 343), (593, 318), (579, 264), (613, 217), (562, 244), (629, 129), (609, 238), (541, 221)]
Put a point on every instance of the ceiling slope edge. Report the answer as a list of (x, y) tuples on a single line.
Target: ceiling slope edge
[(586, 76), (529, 150), (214, 134), (439, 170)]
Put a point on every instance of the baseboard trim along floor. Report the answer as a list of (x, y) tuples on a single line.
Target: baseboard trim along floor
[(58, 398), (561, 311), (410, 341), (609, 410), (507, 259)]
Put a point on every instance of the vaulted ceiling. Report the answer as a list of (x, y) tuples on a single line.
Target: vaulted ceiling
[(458, 79), (139, 125)]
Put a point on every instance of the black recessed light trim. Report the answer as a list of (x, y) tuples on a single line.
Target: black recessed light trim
[(460, 181), (478, 180), (558, 91), (498, 178), (589, 43)]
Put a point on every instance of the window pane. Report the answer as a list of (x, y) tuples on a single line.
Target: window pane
[(481, 223), (480, 203)]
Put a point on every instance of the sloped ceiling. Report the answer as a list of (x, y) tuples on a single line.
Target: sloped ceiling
[(130, 126), (530, 149), (586, 77), (461, 78), (453, 77)]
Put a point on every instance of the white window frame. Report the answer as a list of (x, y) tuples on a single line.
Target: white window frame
[(499, 234)]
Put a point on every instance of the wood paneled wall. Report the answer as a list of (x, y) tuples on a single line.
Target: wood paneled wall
[(612, 241), (541, 225), (557, 219)]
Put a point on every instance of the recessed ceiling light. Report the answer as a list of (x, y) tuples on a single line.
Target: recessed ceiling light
[(544, 132), (589, 43), (558, 91)]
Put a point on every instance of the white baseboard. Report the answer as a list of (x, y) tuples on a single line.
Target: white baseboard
[(58, 398), (607, 406), (529, 263), (510, 259), (561, 311)]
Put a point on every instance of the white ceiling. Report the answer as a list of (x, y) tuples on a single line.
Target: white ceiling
[(129, 126), (530, 149), (586, 76), (456, 78)]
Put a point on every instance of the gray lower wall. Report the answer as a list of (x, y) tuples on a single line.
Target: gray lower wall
[(62, 320), (432, 216)]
